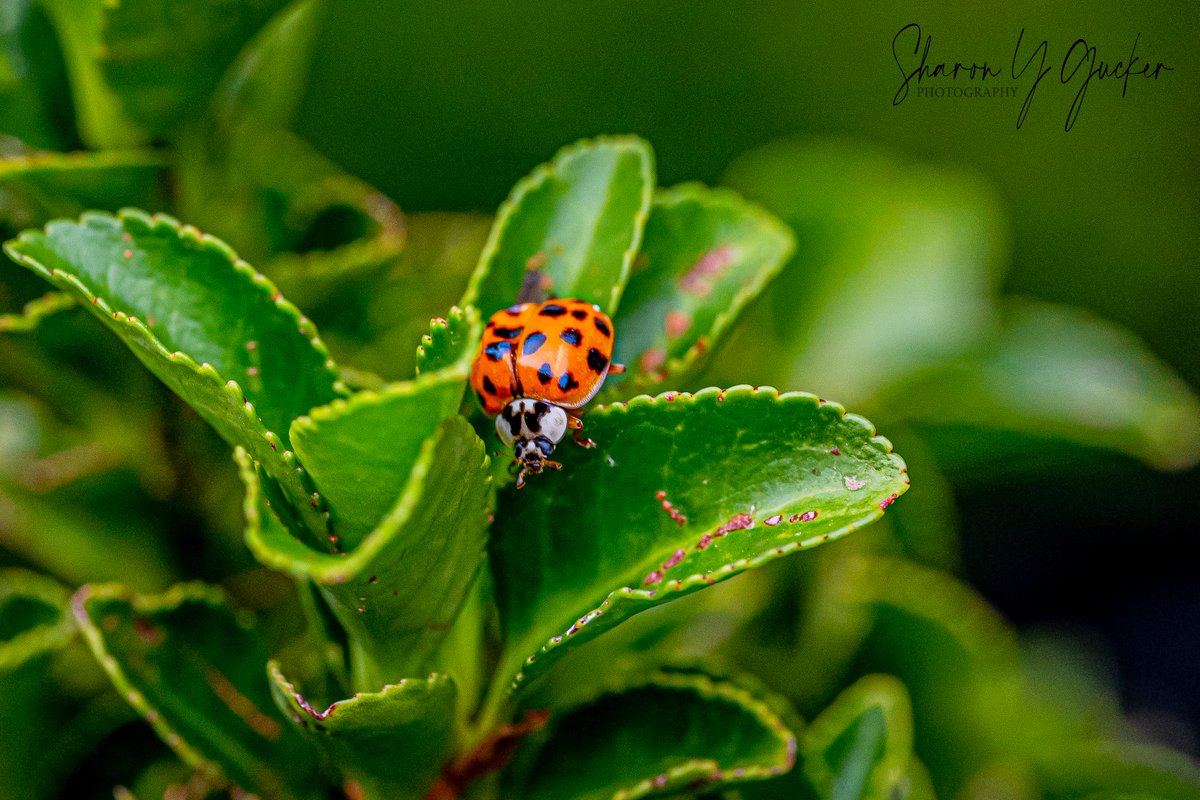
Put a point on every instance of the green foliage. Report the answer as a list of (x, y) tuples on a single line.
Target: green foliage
[(436, 614)]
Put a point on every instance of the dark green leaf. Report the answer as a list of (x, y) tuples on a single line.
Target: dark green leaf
[(895, 267), (677, 731), (392, 742), (42, 186), (399, 590), (579, 219), (1120, 771), (217, 333), (861, 746), (98, 114), (35, 311), (649, 514), (35, 624), (268, 79), (165, 58), (195, 671), (705, 254), (34, 92), (1062, 374)]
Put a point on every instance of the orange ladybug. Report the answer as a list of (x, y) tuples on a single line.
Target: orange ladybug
[(537, 365)]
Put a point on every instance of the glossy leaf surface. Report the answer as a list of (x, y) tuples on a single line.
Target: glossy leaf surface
[(648, 516), (578, 219), (195, 670)]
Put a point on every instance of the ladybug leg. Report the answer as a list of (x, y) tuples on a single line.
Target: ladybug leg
[(576, 426), (616, 369)]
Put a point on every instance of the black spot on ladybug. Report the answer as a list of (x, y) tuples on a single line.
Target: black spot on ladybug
[(545, 373), (579, 313), (567, 382), (552, 310), (508, 333), (497, 350), (488, 386), (532, 342), (597, 360), (513, 419), (571, 336), (533, 419), (602, 326)]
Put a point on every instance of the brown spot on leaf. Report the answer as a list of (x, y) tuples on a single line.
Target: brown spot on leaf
[(699, 280)]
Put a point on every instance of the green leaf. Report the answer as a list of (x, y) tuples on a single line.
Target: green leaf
[(450, 343), (195, 670), (677, 731), (103, 125), (34, 91), (34, 312), (267, 80), (361, 451), (397, 592), (580, 217), (217, 333), (681, 492), (35, 624), (41, 186), (706, 253), (34, 618), (1120, 771), (165, 58), (392, 742), (895, 267), (1061, 374), (859, 748)]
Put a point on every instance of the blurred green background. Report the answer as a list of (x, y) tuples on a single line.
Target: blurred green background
[(452, 103)]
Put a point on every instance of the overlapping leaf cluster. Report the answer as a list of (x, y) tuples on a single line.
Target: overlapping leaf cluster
[(384, 674)]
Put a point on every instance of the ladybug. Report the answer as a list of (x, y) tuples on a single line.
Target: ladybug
[(537, 365)]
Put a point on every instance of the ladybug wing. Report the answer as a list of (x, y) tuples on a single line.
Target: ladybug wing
[(492, 377), (564, 352)]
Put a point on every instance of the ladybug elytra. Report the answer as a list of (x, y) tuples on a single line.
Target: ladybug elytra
[(537, 365)]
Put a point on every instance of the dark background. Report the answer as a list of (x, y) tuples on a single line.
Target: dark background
[(454, 102)]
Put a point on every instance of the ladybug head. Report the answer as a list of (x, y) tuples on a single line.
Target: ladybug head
[(532, 428)]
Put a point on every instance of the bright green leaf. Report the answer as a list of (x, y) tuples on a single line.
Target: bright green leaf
[(217, 333), (195, 670), (894, 268), (1062, 374), (164, 59), (579, 218), (392, 742), (360, 451), (675, 731), (859, 748), (705, 254), (649, 514), (450, 343), (399, 590)]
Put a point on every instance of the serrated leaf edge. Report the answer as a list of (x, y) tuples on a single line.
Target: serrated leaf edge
[(691, 583), (543, 172), (691, 771), (439, 328), (328, 568), (723, 197), (433, 683), (32, 314), (290, 464), (172, 598)]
